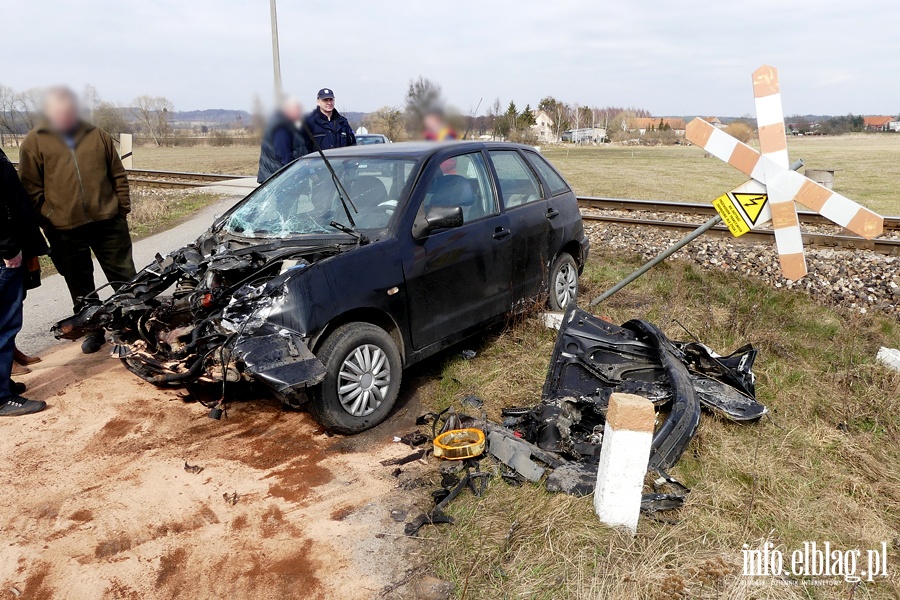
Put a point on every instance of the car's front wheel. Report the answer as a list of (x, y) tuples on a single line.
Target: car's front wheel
[(362, 378), (563, 282)]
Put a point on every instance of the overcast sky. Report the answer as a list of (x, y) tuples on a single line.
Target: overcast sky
[(671, 57)]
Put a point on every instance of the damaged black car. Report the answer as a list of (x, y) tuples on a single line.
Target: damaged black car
[(345, 268)]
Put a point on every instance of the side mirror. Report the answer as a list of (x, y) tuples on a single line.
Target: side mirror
[(438, 217)]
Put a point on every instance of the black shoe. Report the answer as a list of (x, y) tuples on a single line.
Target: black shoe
[(93, 342), (17, 406), (17, 388)]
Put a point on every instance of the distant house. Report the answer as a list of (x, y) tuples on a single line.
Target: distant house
[(641, 125), (715, 122), (585, 135), (878, 123), (894, 125), (543, 127)]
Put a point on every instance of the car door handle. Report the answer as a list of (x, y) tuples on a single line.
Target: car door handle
[(552, 212), (501, 232)]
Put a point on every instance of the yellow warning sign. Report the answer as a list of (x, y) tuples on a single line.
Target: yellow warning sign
[(751, 204), (731, 216)]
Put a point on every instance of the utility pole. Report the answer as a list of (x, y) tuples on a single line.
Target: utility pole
[(276, 58)]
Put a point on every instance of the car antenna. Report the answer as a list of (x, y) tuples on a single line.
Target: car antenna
[(342, 193), (475, 112)]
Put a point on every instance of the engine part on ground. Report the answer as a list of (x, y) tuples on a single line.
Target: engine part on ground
[(515, 454), (459, 444)]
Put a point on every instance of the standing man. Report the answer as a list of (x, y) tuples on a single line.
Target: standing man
[(72, 173), (282, 141), (328, 127), (20, 240)]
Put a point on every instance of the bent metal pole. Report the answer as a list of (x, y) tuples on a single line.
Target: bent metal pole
[(713, 221)]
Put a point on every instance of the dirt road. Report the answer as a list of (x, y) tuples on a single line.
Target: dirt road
[(95, 501)]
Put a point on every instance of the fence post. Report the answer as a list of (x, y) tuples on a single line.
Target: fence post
[(125, 150), (624, 455)]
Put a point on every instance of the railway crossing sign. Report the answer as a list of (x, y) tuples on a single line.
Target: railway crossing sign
[(773, 188)]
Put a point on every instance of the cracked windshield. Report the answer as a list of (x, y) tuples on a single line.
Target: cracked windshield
[(304, 199)]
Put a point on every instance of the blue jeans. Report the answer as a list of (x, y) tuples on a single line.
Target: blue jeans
[(12, 293)]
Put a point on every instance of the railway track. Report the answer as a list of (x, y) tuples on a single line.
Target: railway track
[(806, 217), (890, 247), (176, 179)]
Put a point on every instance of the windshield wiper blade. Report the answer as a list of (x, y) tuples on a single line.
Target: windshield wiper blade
[(342, 193), (348, 230)]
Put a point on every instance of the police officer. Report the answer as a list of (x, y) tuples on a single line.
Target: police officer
[(327, 127)]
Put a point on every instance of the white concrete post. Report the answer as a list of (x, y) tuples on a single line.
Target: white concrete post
[(125, 150), (624, 456)]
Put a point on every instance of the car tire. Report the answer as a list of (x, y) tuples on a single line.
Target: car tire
[(563, 282), (362, 366)]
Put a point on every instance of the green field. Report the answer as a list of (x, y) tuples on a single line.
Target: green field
[(868, 168)]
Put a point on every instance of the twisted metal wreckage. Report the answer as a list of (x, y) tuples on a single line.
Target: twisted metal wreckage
[(230, 317), (592, 359)]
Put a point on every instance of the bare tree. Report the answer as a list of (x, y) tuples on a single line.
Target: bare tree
[(111, 118), (387, 120), (8, 111), (152, 113), (28, 107)]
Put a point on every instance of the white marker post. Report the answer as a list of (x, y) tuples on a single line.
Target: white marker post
[(125, 150), (624, 456)]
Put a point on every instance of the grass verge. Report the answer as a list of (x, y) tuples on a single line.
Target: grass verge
[(824, 467)]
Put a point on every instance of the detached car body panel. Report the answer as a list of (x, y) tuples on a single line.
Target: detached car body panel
[(435, 242)]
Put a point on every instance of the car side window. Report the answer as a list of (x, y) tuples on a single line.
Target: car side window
[(518, 185), (463, 181), (556, 183)]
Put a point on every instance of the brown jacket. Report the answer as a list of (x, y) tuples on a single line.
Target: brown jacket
[(73, 187)]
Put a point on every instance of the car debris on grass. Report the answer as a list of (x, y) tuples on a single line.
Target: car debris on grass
[(558, 440)]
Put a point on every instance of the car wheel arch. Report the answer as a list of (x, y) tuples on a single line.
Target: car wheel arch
[(374, 316), (572, 248)]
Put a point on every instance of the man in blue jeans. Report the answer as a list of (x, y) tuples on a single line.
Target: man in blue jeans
[(19, 235)]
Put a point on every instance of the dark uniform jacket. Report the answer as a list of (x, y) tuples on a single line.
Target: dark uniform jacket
[(335, 133)]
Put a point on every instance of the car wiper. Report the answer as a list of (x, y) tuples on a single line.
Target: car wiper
[(342, 193), (349, 230)]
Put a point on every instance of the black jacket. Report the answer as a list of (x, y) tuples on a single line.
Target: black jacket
[(281, 144), (335, 133), (19, 230)]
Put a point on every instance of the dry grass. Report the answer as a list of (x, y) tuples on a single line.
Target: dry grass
[(869, 168), (791, 478), (154, 210)]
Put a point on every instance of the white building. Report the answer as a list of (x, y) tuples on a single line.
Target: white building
[(543, 127), (894, 125)]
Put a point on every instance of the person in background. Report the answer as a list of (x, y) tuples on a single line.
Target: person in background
[(325, 127), (20, 241), (282, 141), (72, 173), (435, 126)]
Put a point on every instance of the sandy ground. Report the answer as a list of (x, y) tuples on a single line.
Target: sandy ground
[(95, 501)]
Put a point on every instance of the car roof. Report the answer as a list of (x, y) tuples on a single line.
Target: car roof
[(416, 149)]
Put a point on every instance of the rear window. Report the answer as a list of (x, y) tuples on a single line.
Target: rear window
[(557, 184)]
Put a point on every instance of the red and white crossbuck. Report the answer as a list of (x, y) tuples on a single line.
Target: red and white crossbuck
[(771, 175)]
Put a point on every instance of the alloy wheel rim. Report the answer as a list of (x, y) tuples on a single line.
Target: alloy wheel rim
[(566, 285), (363, 380)]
